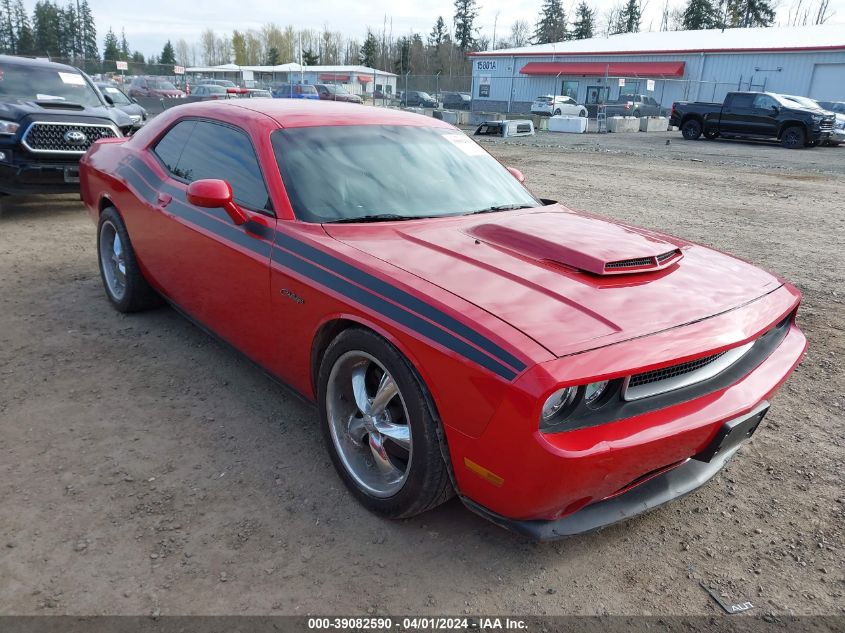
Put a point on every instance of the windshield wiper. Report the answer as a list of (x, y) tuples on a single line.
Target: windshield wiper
[(501, 207), (378, 217)]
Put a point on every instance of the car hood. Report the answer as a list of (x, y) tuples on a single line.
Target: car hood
[(545, 272), (20, 109)]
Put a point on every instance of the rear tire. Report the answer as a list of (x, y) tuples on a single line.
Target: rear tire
[(125, 286), (379, 427), (557, 113), (691, 130), (793, 137)]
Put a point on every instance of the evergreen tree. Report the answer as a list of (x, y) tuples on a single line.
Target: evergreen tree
[(699, 14), (435, 39), (466, 12), (369, 50), (167, 55), (750, 13), (124, 46), (138, 57), (68, 31), (111, 48), (310, 58), (403, 62), (552, 24), (47, 29), (584, 26), (629, 17), (273, 57), (8, 41), (88, 32), (24, 37)]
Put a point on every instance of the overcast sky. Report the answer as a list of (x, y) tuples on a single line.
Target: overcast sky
[(150, 23)]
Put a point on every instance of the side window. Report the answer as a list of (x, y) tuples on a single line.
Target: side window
[(169, 147), (219, 151), (742, 101), (764, 102)]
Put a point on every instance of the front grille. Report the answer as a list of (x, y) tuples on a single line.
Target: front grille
[(630, 263), (50, 137), (826, 126), (663, 257), (674, 370)]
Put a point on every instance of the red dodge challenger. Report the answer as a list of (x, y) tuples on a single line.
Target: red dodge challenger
[(557, 370)]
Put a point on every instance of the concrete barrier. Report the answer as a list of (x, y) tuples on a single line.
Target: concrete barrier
[(464, 117), (623, 124), (449, 116), (568, 124), (477, 118), (654, 124), (544, 124)]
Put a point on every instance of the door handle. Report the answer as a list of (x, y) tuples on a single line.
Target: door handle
[(164, 199)]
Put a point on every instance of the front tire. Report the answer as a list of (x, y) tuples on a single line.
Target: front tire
[(125, 286), (793, 137), (691, 130), (711, 134), (379, 428)]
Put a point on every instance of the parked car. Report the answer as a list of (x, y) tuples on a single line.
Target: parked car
[(333, 92), (633, 105), (254, 93), (116, 97), (211, 92), (836, 137), (834, 106), (295, 91), (50, 114), (381, 94), (756, 115), (456, 100), (557, 370), (557, 105), (417, 99), (153, 87), (230, 86)]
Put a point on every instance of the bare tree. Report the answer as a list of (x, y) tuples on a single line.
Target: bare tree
[(520, 34)]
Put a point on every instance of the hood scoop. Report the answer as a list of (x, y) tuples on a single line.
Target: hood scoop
[(579, 242)]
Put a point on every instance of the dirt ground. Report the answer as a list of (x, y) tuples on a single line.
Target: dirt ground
[(146, 469)]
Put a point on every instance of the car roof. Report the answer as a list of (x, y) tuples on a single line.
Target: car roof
[(12, 60), (291, 113)]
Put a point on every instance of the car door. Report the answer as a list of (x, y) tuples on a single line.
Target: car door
[(209, 267), (766, 115), (738, 114)]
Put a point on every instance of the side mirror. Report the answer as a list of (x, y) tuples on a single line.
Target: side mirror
[(108, 99), (517, 174), (216, 194), (775, 109)]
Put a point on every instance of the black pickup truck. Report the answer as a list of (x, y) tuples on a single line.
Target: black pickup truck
[(50, 114), (758, 115)]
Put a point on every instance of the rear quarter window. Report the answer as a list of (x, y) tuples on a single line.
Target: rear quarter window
[(169, 147)]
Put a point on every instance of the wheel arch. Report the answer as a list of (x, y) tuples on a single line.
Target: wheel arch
[(332, 326), (793, 123), (692, 116)]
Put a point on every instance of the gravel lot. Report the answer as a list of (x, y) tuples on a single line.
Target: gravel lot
[(145, 468)]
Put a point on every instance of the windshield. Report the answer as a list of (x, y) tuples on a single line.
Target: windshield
[(46, 84), (215, 89), (335, 90), (307, 90), (344, 172), (160, 84), (116, 95), (804, 101)]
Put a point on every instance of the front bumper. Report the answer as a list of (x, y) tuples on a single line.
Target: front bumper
[(515, 474), (653, 491), (45, 176)]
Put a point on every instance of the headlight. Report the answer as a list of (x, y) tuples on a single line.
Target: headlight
[(594, 391), (818, 117), (8, 127), (557, 402)]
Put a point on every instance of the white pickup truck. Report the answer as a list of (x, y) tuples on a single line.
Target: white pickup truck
[(557, 105)]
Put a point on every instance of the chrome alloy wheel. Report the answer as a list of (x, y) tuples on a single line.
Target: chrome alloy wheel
[(369, 424), (112, 260)]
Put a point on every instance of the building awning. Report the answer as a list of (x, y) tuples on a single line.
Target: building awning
[(333, 77), (611, 69), (365, 79)]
